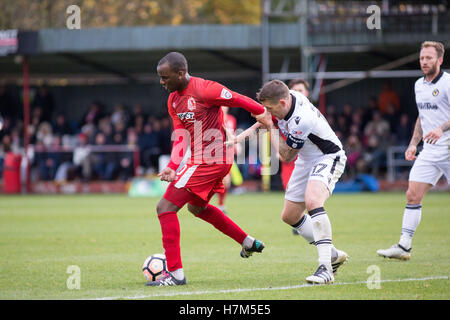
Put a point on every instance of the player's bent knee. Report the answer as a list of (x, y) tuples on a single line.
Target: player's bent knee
[(165, 206), (195, 210), (285, 217), (313, 204)]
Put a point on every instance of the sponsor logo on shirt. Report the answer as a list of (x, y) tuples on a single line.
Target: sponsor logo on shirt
[(226, 94), (426, 106), (186, 116), (191, 104)]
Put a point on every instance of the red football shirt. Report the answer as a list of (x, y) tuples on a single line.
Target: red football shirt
[(197, 110)]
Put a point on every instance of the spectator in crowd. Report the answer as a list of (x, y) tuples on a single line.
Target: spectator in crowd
[(330, 115), (368, 112), (119, 115), (60, 126), (388, 96), (165, 136), (392, 116), (138, 124), (353, 150), (105, 164), (93, 115), (126, 159), (138, 112), (48, 157), (378, 138), (148, 142), (404, 130), (44, 134), (44, 100), (8, 107), (347, 112), (79, 166)]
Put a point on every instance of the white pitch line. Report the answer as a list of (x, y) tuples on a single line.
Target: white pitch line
[(192, 293)]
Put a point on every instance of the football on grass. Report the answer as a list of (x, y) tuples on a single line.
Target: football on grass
[(154, 266)]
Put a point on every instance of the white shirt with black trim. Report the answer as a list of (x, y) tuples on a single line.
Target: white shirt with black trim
[(307, 129), (433, 103)]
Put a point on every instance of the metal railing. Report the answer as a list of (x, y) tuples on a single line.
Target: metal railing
[(396, 159), (89, 150)]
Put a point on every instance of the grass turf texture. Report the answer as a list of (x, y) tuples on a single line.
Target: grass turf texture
[(110, 236)]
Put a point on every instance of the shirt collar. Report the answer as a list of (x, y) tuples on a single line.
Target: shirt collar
[(435, 80), (291, 110)]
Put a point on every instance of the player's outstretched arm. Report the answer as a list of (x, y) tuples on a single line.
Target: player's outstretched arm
[(232, 139), (218, 95), (286, 152), (410, 153), (434, 135)]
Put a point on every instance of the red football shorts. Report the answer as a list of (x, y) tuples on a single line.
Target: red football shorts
[(196, 184)]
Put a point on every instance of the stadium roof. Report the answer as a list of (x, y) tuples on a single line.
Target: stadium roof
[(130, 54)]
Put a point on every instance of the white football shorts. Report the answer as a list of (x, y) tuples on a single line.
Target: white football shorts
[(427, 171), (328, 169)]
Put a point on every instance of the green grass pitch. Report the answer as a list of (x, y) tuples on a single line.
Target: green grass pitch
[(109, 236)]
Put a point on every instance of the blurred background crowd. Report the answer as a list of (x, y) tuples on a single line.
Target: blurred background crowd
[(133, 139)]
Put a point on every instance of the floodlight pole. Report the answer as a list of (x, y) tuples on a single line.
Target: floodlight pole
[(26, 119), (265, 40)]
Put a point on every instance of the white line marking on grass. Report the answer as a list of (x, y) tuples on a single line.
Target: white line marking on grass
[(193, 293)]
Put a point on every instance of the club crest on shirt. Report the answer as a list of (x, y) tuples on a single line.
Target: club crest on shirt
[(191, 104), (226, 94), (435, 92)]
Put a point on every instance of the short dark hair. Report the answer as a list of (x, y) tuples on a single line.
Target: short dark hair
[(273, 91), (293, 82), (176, 61)]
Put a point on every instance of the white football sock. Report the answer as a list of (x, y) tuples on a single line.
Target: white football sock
[(411, 220), (304, 228), (248, 242), (178, 274), (322, 235)]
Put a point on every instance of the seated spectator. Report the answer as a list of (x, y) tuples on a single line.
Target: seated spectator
[(119, 133), (44, 134), (126, 159), (93, 115), (149, 144), (353, 150), (347, 112), (404, 131), (377, 127), (369, 110), (105, 164), (48, 158), (44, 100), (165, 136), (79, 166), (138, 112), (119, 115), (60, 126)]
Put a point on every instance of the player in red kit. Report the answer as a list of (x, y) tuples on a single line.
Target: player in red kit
[(194, 105)]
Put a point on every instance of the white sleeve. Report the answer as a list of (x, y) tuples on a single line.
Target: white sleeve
[(299, 129)]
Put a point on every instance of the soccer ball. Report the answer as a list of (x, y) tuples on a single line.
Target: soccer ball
[(154, 266)]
